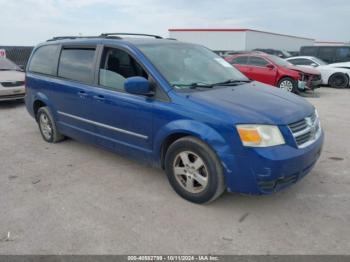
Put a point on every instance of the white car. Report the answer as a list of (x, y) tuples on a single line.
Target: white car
[(335, 75), (11, 81)]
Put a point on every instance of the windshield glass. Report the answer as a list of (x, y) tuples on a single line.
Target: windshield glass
[(185, 64), (279, 61), (6, 64)]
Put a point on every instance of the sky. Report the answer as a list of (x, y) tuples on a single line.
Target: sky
[(28, 22)]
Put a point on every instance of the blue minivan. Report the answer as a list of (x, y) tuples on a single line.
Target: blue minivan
[(174, 105)]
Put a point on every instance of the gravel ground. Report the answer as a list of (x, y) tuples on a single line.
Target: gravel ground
[(73, 198)]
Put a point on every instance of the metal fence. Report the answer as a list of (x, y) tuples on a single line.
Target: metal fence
[(18, 54)]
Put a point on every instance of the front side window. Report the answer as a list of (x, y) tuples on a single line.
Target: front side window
[(116, 66), (279, 61), (44, 60), (257, 61), (77, 64), (184, 64)]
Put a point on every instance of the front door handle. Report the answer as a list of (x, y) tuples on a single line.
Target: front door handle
[(99, 97)]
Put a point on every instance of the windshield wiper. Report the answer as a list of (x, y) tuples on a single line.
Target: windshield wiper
[(232, 82), (194, 85)]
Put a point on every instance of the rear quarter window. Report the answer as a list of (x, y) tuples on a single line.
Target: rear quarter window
[(77, 64), (44, 60)]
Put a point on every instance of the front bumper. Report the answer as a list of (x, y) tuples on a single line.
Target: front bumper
[(12, 93), (267, 170), (302, 85)]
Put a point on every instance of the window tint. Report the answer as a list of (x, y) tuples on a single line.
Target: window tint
[(257, 61), (44, 60), (240, 60), (301, 61), (77, 64), (327, 53), (309, 51), (116, 66), (343, 52)]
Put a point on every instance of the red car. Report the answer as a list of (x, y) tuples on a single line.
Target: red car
[(272, 70)]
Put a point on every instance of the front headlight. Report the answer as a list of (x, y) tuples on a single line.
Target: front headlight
[(260, 135)]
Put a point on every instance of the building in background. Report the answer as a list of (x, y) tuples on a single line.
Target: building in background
[(222, 40)]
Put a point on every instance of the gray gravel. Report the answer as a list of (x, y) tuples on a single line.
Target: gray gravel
[(73, 198)]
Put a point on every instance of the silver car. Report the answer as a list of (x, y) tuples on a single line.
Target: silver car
[(11, 80)]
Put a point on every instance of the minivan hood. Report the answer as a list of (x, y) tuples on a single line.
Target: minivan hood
[(305, 70), (255, 103)]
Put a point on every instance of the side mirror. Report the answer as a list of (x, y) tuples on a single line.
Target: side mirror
[(138, 85), (270, 66), (314, 65)]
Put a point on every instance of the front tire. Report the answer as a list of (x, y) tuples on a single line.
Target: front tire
[(288, 84), (194, 171), (47, 126), (338, 80)]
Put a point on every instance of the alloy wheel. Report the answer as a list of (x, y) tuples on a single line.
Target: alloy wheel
[(45, 126), (286, 85), (190, 172)]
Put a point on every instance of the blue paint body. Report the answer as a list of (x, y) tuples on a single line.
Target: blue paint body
[(210, 115)]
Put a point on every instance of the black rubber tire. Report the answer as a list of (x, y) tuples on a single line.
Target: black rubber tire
[(295, 84), (338, 80), (216, 183), (56, 136)]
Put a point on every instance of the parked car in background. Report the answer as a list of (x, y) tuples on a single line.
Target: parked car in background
[(279, 53), (331, 75), (177, 106), (11, 80), (275, 71), (329, 54)]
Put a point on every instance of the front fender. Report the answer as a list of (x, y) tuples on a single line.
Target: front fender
[(197, 129)]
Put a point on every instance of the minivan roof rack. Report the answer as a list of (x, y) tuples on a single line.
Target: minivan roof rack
[(131, 34), (70, 37)]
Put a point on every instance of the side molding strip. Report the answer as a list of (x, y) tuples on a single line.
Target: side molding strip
[(103, 125)]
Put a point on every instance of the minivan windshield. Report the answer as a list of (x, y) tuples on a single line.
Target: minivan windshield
[(187, 65), (7, 65)]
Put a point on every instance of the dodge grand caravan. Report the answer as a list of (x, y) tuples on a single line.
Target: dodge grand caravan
[(177, 106)]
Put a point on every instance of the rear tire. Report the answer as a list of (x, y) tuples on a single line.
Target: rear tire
[(338, 80), (47, 126), (194, 171), (288, 84)]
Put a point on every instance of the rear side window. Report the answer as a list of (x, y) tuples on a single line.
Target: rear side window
[(310, 51), (257, 61), (327, 53), (77, 64), (44, 60), (240, 60)]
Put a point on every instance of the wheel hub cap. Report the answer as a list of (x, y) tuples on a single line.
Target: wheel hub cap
[(190, 172)]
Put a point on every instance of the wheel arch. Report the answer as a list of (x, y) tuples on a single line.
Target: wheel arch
[(182, 128)]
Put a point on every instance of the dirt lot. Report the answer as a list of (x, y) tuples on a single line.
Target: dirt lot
[(73, 198)]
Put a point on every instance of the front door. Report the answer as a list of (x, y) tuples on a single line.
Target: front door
[(258, 70), (124, 121)]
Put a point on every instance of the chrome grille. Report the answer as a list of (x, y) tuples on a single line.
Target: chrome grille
[(306, 131)]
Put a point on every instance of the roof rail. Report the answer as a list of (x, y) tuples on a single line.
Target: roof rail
[(131, 34), (69, 37)]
